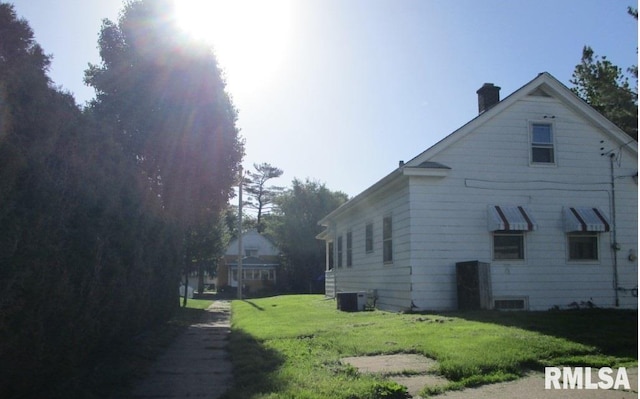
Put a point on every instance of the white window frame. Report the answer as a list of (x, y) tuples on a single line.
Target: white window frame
[(519, 233), (592, 234), (387, 240), (551, 145), (349, 248), (368, 238)]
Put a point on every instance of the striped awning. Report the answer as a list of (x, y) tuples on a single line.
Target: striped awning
[(585, 219), (513, 218)]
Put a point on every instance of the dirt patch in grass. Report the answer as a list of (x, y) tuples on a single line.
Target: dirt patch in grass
[(413, 371)]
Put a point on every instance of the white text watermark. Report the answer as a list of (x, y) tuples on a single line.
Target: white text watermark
[(586, 378)]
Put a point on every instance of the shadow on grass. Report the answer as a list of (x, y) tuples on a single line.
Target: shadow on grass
[(612, 332), (254, 367), (260, 308)]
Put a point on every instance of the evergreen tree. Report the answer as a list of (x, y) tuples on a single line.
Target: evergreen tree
[(261, 196), (165, 94), (605, 87), (91, 255), (294, 227)]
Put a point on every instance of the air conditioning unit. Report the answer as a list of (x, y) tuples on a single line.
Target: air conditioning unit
[(351, 301)]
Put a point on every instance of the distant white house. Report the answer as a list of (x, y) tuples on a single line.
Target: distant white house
[(535, 200), (260, 262)]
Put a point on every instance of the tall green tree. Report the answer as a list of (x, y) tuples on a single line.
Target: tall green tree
[(165, 93), (206, 244), (606, 88), (260, 195), (294, 227), (82, 252), (38, 197)]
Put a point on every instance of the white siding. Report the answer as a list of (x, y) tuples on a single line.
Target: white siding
[(391, 281), (439, 221), (491, 166)]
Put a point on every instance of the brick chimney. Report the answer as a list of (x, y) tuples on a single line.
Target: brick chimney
[(488, 96)]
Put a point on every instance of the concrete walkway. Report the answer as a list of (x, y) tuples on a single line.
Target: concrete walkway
[(532, 387), (196, 365)]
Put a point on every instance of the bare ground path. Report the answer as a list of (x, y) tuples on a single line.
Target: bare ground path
[(196, 365)]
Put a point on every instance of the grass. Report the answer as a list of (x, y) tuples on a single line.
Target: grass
[(291, 346)]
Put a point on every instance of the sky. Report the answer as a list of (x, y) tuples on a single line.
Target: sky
[(339, 91)]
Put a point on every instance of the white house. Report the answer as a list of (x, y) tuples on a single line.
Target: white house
[(260, 262), (539, 192)]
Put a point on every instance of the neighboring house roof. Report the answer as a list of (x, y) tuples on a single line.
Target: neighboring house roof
[(544, 84), (252, 240)]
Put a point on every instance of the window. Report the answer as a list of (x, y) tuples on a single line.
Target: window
[(387, 240), (368, 239), (508, 245), (510, 304), (339, 254), (542, 143), (349, 249), (331, 255), (251, 252), (583, 246)]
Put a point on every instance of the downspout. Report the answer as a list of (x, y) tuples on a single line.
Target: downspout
[(614, 245)]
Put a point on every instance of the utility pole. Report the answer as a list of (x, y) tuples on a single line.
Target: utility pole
[(240, 236)]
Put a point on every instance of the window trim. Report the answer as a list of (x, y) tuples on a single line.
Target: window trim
[(368, 238), (331, 260), (551, 145), (591, 234), (519, 233), (339, 252), (387, 239), (349, 249)]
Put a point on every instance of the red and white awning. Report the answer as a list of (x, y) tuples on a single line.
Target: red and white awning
[(511, 218), (585, 219)]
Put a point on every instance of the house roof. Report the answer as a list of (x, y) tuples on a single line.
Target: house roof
[(254, 262), (251, 239), (543, 84)]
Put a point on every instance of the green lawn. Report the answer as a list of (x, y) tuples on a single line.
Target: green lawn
[(290, 346)]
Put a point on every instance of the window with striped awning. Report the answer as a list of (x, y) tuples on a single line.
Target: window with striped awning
[(585, 219), (510, 218)]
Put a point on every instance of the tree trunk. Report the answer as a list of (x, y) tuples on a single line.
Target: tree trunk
[(200, 278)]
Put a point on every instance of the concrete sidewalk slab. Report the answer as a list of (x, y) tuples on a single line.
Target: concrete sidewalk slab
[(196, 364), (532, 387)]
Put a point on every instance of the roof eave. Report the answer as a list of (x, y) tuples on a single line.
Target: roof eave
[(353, 202)]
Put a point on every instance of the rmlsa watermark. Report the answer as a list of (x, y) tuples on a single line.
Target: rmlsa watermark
[(583, 378)]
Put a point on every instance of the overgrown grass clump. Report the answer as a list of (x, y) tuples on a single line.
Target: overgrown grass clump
[(291, 346)]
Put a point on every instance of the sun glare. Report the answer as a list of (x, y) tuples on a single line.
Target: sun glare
[(249, 37)]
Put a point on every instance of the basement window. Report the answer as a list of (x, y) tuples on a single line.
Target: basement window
[(510, 304)]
